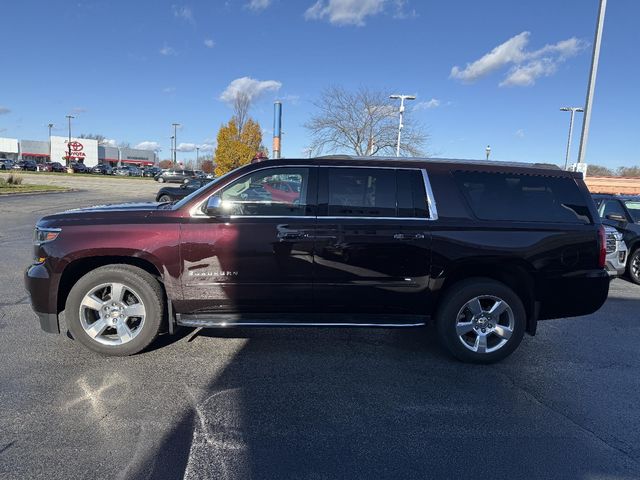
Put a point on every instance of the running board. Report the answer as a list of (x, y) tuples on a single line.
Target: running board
[(221, 320)]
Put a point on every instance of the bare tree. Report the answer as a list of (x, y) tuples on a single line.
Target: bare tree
[(241, 105), (364, 122)]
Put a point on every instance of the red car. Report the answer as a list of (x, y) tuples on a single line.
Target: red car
[(285, 192), (52, 167)]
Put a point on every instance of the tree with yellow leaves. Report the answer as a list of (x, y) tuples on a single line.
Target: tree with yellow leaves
[(237, 147)]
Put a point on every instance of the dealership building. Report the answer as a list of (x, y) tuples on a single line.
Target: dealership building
[(85, 150)]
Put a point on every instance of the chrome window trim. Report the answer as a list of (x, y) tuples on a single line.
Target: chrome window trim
[(196, 211), (431, 201)]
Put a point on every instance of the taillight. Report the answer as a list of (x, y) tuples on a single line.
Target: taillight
[(602, 240)]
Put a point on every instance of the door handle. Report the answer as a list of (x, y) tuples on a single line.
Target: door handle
[(406, 236)]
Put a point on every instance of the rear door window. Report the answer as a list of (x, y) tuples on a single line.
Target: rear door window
[(523, 197), (372, 192)]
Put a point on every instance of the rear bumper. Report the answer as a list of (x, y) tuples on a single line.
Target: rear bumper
[(38, 284), (574, 295)]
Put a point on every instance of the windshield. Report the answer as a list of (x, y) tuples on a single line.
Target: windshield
[(634, 209)]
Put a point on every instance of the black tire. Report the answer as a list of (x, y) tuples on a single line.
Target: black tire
[(485, 290), (633, 266), (144, 288), (165, 198)]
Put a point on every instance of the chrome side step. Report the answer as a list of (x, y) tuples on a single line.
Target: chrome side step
[(223, 320)]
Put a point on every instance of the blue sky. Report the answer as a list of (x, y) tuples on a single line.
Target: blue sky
[(127, 70)]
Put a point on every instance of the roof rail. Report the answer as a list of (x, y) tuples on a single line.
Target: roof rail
[(549, 166)]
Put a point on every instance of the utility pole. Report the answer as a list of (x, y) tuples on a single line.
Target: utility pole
[(175, 143), (573, 111), (402, 98), (51, 125), (595, 57), (69, 117)]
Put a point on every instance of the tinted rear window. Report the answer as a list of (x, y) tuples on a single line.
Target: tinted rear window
[(524, 198)]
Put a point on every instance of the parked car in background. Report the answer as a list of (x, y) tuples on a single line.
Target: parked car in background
[(171, 194), (616, 252), (623, 213), (485, 250), (128, 171), (79, 167), (52, 167), (6, 164), (151, 171), (175, 176), (26, 165), (102, 169)]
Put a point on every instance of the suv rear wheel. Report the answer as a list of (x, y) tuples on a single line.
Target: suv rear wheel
[(481, 320), (115, 310)]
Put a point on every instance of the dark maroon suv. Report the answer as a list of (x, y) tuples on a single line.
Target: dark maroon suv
[(485, 250)]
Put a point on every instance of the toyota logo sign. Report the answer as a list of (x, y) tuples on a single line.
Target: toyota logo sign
[(76, 146)]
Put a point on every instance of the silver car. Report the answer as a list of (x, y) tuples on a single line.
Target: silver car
[(616, 252)]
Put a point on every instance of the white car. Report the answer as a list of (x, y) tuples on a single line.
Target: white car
[(616, 252)]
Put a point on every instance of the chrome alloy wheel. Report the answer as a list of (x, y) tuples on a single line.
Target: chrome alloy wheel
[(112, 313), (484, 324), (635, 266)]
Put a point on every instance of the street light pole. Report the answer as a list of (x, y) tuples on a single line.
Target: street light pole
[(487, 151), (175, 143), (51, 125), (173, 150), (402, 98), (595, 57), (198, 158), (573, 111), (69, 117)]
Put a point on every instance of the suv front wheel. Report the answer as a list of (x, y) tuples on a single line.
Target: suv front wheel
[(115, 310), (634, 266), (481, 320)]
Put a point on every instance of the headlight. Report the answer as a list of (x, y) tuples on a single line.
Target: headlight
[(43, 235)]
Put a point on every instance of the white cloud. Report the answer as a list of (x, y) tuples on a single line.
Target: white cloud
[(258, 5), (290, 99), (519, 133), (109, 142), (186, 147), (433, 103), (182, 12), (206, 147), (4, 110), (167, 50), (525, 75), (344, 12), (249, 86), (148, 145), (526, 66), (209, 43), (169, 90)]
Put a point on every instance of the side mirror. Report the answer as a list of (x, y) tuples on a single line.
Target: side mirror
[(616, 217), (214, 206)]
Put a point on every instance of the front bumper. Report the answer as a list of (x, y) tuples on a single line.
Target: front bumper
[(37, 281)]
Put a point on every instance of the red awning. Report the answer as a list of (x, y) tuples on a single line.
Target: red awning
[(137, 162)]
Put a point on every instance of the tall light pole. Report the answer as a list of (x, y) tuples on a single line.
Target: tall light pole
[(487, 151), (198, 158), (69, 117), (402, 98), (51, 125), (595, 57), (175, 143), (573, 111), (173, 150)]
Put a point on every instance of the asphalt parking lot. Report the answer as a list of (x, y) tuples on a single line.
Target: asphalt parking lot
[(308, 404)]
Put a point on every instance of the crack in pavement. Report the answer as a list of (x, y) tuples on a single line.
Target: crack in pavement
[(530, 395)]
